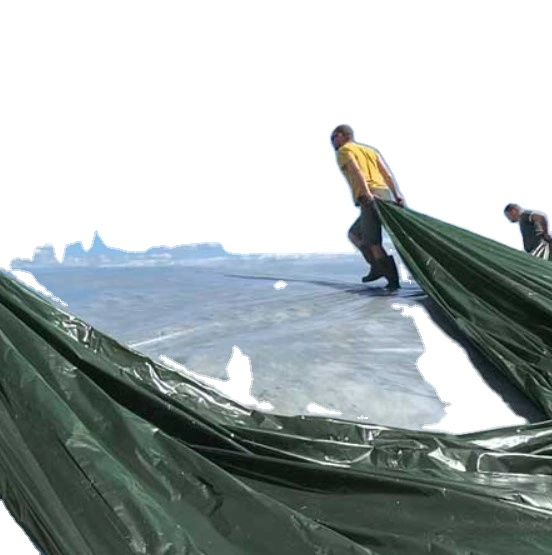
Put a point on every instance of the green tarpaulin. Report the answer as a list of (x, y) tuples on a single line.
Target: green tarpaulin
[(103, 450)]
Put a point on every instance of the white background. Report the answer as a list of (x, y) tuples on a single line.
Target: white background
[(176, 122)]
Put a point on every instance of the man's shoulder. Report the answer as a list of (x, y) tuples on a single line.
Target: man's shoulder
[(358, 148), (347, 147), (527, 215), (345, 153), (529, 212), (367, 150)]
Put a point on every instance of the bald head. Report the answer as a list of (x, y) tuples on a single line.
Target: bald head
[(342, 134), (513, 212)]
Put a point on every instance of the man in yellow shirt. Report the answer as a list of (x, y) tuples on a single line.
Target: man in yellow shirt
[(368, 178)]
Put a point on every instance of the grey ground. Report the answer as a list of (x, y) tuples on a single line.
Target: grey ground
[(324, 338)]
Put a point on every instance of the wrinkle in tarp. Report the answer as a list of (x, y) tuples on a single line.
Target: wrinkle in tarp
[(103, 450)]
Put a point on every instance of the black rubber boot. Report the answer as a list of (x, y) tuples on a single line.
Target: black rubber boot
[(391, 273), (376, 272)]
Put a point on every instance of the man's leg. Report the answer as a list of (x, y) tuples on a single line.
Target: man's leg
[(355, 236), (371, 232)]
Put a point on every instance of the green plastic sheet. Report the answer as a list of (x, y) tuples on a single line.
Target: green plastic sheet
[(103, 450), (498, 297)]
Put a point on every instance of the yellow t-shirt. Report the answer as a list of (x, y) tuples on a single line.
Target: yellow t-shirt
[(367, 160)]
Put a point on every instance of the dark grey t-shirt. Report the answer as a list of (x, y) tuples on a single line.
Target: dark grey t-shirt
[(530, 231)]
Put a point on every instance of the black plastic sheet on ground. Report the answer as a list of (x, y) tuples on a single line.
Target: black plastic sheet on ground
[(103, 450)]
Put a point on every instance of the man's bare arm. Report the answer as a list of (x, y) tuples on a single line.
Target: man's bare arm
[(352, 168)]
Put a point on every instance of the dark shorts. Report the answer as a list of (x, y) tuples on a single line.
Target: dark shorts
[(368, 226)]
